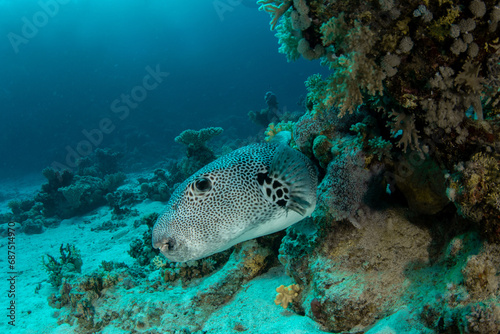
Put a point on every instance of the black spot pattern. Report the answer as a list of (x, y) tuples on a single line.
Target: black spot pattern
[(274, 190)]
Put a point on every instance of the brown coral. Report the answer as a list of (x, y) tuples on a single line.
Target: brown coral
[(286, 294)]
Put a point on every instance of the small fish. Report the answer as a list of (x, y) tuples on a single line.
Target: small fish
[(253, 191)]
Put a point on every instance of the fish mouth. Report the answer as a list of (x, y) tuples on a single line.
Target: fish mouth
[(165, 244)]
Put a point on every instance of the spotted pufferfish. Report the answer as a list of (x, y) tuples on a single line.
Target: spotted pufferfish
[(253, 191)]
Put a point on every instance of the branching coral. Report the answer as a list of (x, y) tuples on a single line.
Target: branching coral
[(354, 72), (274, 9), (70, 261), (404, 126), (411, 54), (286, 294), (288, 39), (273, 130)]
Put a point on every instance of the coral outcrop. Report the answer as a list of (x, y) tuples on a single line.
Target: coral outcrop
[(429, 72), (67, 194), (405, 133), (68, 264), (198, 153), (157, 187), (142, 249)]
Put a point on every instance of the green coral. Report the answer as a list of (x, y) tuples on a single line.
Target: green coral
[(198, 154), (197, 138), (275, 9), (70, 262), (274, 129), (141, 249), (380, 147), (288, 39), (334, 31)]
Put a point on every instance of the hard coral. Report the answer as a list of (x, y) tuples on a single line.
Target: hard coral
[(341, 192), (274, 129), (70, 262), (399, 62), (286, 294), (142, 249), (157, 187), (474, 187), (198, 138), (198, 154), (430, 70)]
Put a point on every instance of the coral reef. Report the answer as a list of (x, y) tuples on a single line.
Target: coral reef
[(69, 263), (198, 154), (187, 271), (408, 118), (429, 71), (80, 295), (29, 214), (141, 249), (157, 187), (120, 201), (474, 187), (273, 114), (103, 162), (267, 115), (84, 194), (405, 134), (273, 130), (286, 294), (352, 276), (85, 301), (67, 194)]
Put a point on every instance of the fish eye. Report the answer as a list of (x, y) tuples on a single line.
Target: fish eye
[(203, 184)]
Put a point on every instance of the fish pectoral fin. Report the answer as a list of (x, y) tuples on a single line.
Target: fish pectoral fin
[(290, 181), (299, 205)]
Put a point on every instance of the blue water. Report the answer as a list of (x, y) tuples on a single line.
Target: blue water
[(63, 64)]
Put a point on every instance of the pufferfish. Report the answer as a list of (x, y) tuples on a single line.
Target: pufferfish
[(253, 191)]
